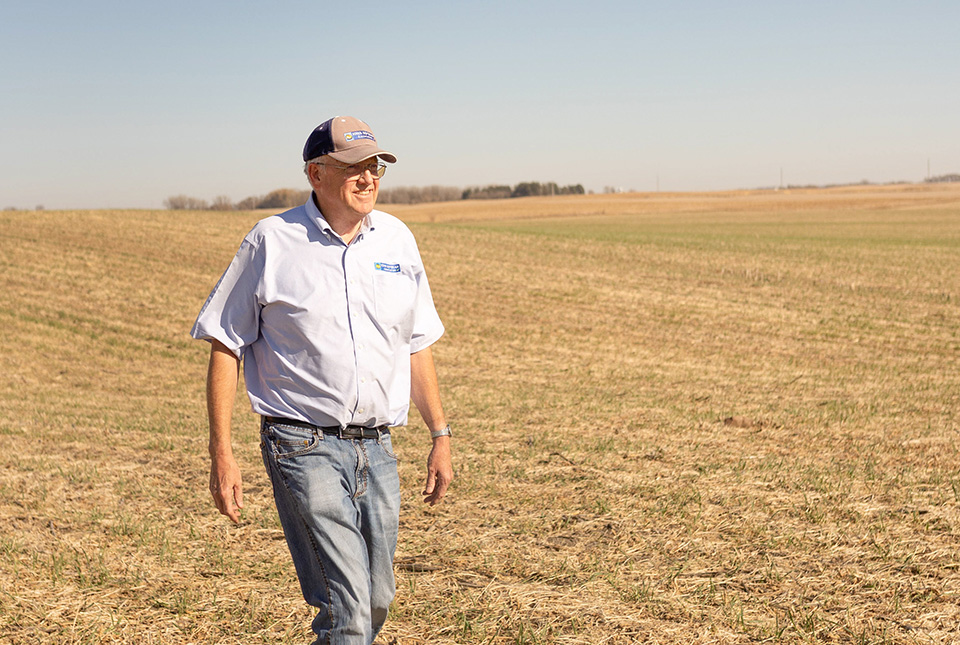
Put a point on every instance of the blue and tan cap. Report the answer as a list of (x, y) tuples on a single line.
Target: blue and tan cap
[(345, 138)]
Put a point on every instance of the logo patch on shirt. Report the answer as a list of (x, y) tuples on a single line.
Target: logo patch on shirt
[(359, 134), (386, 266)]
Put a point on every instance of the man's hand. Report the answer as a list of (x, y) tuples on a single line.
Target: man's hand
[(226, 486), (222, 375), (439, 471), (425, 392)]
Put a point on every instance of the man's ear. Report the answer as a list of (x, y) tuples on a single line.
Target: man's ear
[(313, 172)]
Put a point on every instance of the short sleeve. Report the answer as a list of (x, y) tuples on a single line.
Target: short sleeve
[(231, 313), (427, 327)]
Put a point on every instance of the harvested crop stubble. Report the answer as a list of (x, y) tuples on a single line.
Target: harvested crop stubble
[(689, 418)]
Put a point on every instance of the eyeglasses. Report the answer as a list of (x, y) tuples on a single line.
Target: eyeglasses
[(378, 170)]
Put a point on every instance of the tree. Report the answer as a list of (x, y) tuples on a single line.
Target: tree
[(221, 203), (943, 179), (284, 198), (487, 192), (414, 195), (184, 203), (527, 189), (249, 203)]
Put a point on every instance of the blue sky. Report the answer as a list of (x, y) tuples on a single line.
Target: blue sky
[(122, 104)]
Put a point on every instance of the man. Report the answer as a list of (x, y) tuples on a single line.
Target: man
[(329, 307)]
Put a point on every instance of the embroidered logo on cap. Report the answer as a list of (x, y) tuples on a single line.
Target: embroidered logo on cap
[(358, 134), (386, 266)]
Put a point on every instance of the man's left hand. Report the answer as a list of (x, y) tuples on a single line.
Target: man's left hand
[(439, 471)]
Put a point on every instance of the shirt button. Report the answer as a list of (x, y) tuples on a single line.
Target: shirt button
[(363, 379), (360, 410)]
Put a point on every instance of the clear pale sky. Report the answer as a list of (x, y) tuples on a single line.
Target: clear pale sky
[(123, 104)]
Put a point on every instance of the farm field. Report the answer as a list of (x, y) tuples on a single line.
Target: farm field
[(679, 418)]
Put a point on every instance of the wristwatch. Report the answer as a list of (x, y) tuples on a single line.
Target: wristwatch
[(445, 432)]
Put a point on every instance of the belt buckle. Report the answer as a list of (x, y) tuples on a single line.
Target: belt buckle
[(359, 432)]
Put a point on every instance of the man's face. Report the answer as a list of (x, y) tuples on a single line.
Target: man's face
[(347, 190)]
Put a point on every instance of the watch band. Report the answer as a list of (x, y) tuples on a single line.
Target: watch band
[(445, 432)]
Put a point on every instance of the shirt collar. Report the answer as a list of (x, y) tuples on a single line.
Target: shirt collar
[(314, 213)]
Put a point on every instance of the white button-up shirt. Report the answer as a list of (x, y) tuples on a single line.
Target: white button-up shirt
[(325, 329)]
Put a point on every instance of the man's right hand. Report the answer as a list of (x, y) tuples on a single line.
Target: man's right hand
[(226, 486)]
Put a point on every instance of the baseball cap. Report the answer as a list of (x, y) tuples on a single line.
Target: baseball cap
[(346, 139)]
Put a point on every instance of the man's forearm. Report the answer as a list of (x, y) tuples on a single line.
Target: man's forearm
[(425, 389), (223, 374), (425, 392), (226, 484)]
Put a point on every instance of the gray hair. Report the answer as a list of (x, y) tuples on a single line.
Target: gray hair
[(316, 160)]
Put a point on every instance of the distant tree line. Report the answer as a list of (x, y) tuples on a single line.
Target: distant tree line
[(418, 195), (487, 192), (290, 197), (524, 189), (940, 179), (280, 198)]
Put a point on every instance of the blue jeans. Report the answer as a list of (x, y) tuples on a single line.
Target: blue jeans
[(339, 505)]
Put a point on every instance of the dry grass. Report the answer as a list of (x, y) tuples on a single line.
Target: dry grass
[(717, 418)]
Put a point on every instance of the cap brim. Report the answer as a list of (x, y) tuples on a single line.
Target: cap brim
[(358, 155)]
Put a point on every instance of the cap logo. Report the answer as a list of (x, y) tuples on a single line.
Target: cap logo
[(358, 134)]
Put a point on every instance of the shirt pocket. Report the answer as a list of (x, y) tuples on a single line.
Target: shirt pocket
[(394, 295)]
